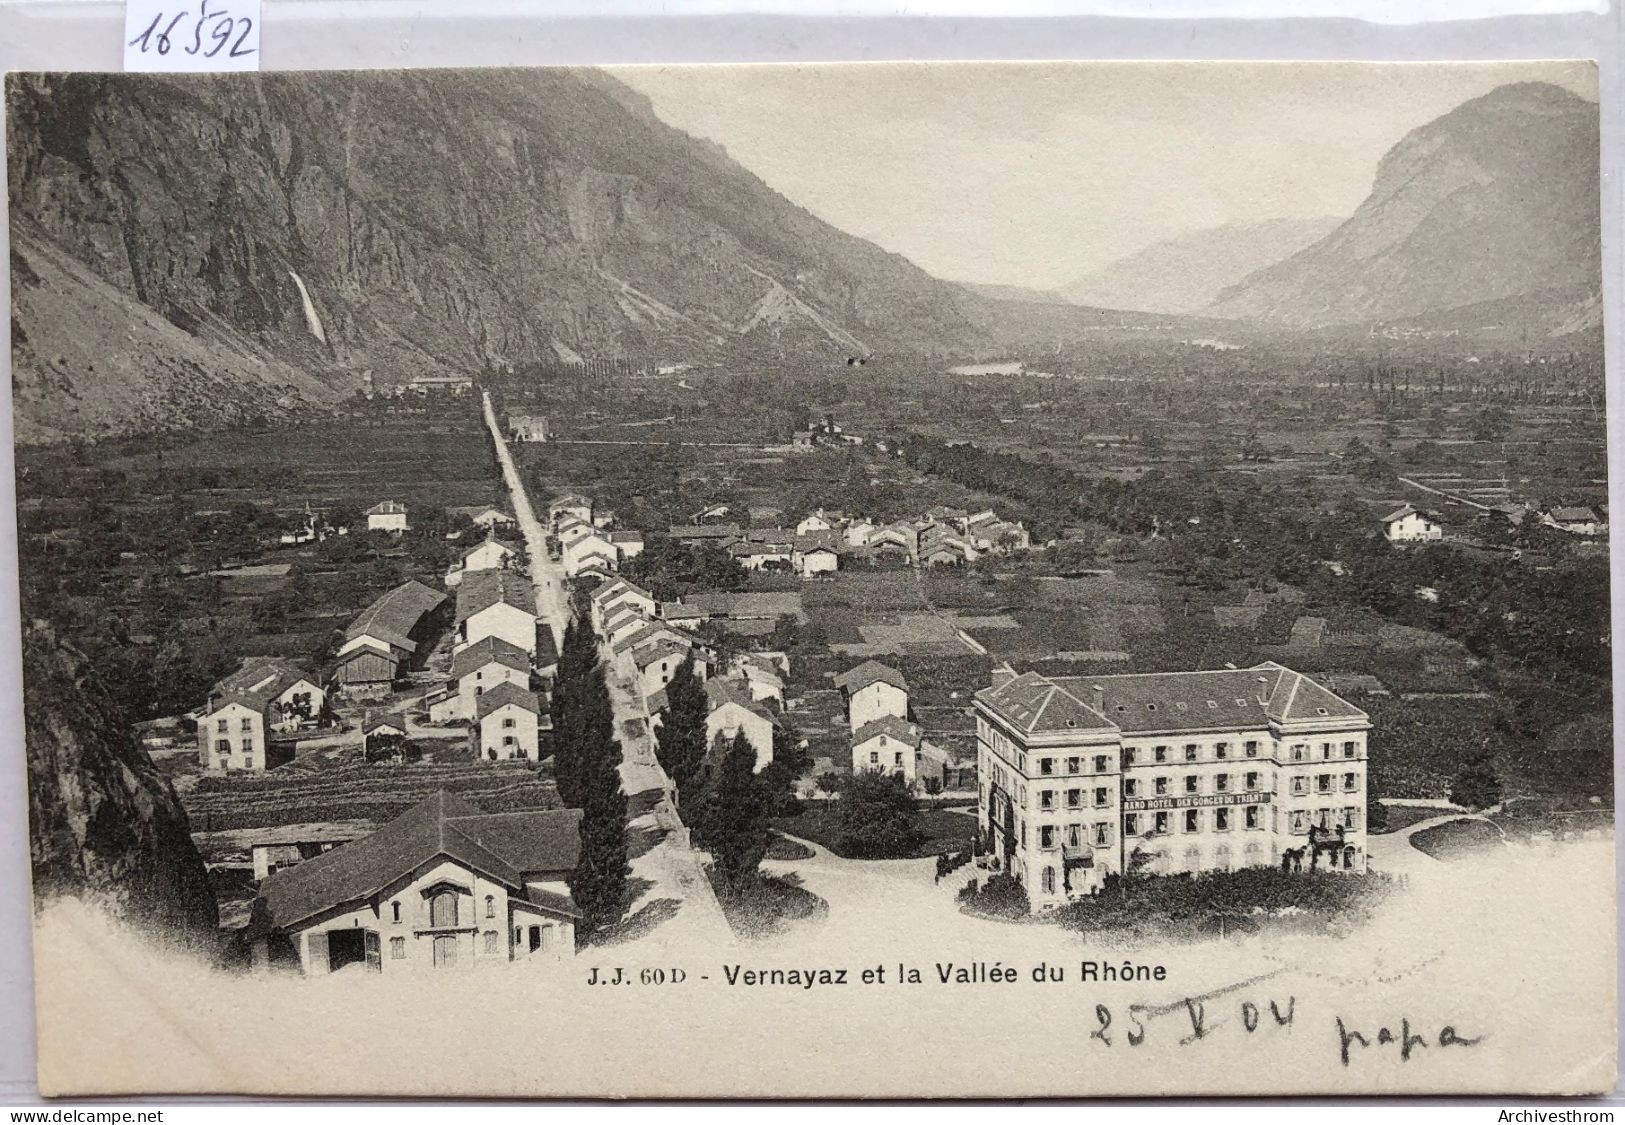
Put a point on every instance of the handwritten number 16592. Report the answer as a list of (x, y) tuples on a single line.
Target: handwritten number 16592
[(160, 34)]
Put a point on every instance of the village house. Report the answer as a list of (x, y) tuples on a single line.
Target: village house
[(496, 603), (386, 635), (527, 427), (1574, 521), (711, 514), (507, 724), (387, 515), (484, 516), (1407, 525), (573, 504), (383, 737), (816, 553), (873, 691), (582, 552), (888, 745), (657, 661), (819, 521), (616, 594), (858, 533), (493, 554), (730, 711), (762, 677), (762, 554), (627, 544), (276, 849), (442, 887), (265, 696), (1081, 777), (741, 612), (483, 665), (721, 533)]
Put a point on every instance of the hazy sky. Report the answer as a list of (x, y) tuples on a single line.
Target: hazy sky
[(1034, 174)]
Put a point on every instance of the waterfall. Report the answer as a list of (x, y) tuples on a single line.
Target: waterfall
[(312, 321)]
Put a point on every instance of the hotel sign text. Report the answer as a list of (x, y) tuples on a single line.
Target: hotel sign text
[(1201, 802)]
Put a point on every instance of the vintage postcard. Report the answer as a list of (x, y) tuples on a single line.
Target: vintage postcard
[(904, 580)]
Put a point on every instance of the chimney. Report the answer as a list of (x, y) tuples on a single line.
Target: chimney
[(1100, 699), (1263, 695)]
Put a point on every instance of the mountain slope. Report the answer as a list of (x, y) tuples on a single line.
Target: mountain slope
[(1496, 199), (1185, 273), (415, 221)]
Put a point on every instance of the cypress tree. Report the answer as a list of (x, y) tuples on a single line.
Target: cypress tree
[(598, 883), (733, 825), (680, 744)]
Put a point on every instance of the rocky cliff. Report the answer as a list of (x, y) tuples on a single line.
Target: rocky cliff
[(1494, 204), (104, 825), (413, 221)]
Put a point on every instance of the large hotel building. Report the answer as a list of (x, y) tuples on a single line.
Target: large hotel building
[(1084, 776)]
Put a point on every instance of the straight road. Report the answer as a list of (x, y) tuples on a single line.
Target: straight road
[(672, 869)]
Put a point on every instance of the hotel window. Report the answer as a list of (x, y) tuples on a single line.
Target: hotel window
[(1101, 798), (1161, 823), (1193, 820), (1252, 817), (1351, 818), (1221, 820), (1221, 750), (1128, 757), (1046, 799), (1250, 748), (1349, 750), (1074, 798), (1324, 817), (1325, 751), (1323, 783), (1100, 763), (1221, 783), (1046, 835), (1351, 782), (1300, 785), (1072, 765), (1103, 835), (1046, 766), (1252, 780), (1192, 782), (1300, 822), (1049, 880), (1130, 787), (1159, 753), (490, 941), (1190, 751), (397, 949), (1072, 835), (490, 906), (1300, 752), (395, 912), (1162, 786), (1131, 824), (518, 936)]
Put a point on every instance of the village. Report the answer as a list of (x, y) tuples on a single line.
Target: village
[(943, 686)]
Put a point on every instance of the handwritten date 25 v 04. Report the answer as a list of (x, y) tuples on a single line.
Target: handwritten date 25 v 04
[(207, 35)]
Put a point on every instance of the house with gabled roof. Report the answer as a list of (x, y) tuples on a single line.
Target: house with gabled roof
[(1574, 520), (657, 661), (389, 635), (444, 887), (496, 603), (267, 695), (730, 711), (873, 691), (478, 667), (507, 724), (571, 504), (888, 745), (618, 594), (485, 516), (1407, 525), (492, 554), (1166, 773)]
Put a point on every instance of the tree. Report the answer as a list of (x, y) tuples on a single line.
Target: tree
[(680, 744), (733, 823), (878, 817), (598, 883), (577, 710), (1477, 786)]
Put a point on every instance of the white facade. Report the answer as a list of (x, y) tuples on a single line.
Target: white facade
[(483, 679), (502, 620), (886, 753), (819, 560), (876, 701), (506, 733), (387, 516), (1412, 527), (232, 738), (442, 917), (731, 719)]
